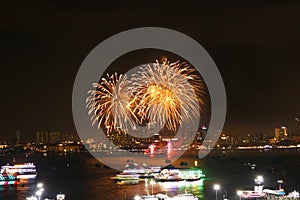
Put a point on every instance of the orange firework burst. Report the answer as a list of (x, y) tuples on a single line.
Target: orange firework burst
[(163, 94), (167, 94), (109, 103)]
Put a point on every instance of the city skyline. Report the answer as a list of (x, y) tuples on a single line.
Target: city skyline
[(256, 53)]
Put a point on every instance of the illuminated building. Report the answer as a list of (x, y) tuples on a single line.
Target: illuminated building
[(18, 136), (42, 137), (277, 133), (280, 133), (54, 137), (200, 135)]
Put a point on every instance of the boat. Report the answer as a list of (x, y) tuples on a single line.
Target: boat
[(8, 179), (184, 196), (293, 194), (142, 170), (125, 177), (21, 171), (249, 194), (58, 197), (127, 182), (274, 192), (167, 175), (134, 172)]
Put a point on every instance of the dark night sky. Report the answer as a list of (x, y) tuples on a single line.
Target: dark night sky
[(255, 45)]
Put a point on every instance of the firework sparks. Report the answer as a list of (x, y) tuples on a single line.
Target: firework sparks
[(163, 94), (167, 94), (109, 103)]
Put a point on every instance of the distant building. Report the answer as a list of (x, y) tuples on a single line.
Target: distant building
[(16, 140), (42, 137), (54, 137), (18, 136), (280, 133), (70, 137), (297, 132), (200, 135), (277, 133)]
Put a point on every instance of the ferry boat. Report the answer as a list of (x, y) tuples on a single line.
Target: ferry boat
[(185, 196), (21, 171), (140, 171), (125, 177), (249, 194), (8, 179), (167, 175), (141, 168), (58, 197)]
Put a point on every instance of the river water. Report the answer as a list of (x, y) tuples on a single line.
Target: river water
[(80, 176)]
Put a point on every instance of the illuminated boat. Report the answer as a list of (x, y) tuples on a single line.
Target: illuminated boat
[(8, 179), (21, 171), (58, 197), (274, 192), (293, 194), (249, 194), (179, 175), (185, 196), (142, 172), (192, 174), (169, 175), (126, 177)]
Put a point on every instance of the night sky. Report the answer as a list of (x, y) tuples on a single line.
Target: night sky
[(255, 45)]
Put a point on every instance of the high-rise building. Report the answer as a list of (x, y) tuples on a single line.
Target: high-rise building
[(280, 133), (18, 136), (42, 137), (284, 132), (297, 132), (277, 133), (54, 137), (200, 135)]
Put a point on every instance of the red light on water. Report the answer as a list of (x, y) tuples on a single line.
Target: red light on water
[(152, 148), (169, 151)]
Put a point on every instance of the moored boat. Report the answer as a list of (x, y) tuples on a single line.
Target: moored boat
[(167, 175), (21, 171), (8, 179), (184, 196)]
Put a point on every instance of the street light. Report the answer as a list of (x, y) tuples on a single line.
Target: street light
[(216, 188), (152, 182), (239, 193), (39, 185)]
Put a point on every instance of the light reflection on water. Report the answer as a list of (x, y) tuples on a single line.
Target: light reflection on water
[(19, 191), (173, 188), (149, 187)]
